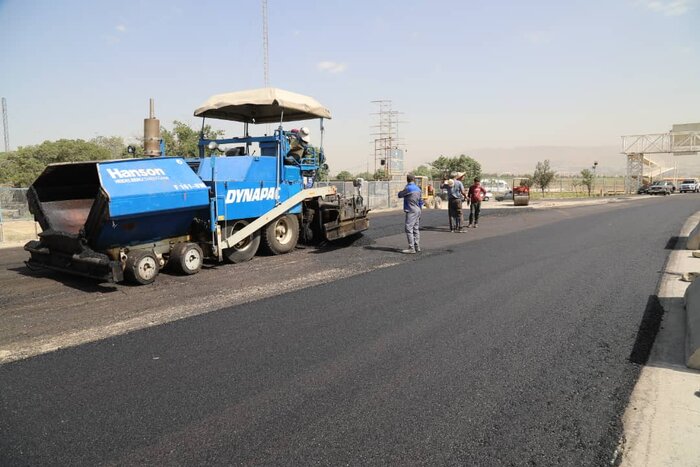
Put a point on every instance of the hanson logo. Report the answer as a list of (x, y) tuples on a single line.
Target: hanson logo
[(244, 195), (132, 173)]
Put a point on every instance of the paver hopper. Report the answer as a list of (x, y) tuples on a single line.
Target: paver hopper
[(91, 211)]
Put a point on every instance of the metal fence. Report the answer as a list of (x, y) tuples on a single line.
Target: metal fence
[(13, 204), (377, 195), (16, 222)]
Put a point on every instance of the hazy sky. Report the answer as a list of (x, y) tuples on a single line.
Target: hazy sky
[(465, 74)]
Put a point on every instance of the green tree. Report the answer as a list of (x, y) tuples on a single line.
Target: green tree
[(443, 167), (21, 167), (543, 175), (344, 176), (380, 175), (423, 171), (587, 180), (115, 145), (322, 174), (183, 139)]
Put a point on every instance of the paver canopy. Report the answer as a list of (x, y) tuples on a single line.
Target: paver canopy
[(266, 105)]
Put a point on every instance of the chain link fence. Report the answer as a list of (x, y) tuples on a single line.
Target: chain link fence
[(376, 195), (16, 222)]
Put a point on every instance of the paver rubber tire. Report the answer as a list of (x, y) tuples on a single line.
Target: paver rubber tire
[(186, 258), (245, 249), (281, 235), (142, 267)]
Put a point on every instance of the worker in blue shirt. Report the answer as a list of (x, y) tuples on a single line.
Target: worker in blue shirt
[(412, 204)]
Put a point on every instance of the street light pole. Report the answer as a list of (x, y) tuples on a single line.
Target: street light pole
[(595, 165)]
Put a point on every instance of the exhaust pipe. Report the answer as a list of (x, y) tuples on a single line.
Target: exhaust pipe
[(151, 134)]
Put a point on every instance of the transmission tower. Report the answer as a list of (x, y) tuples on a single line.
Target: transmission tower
[(266, 60), (5, 127), (388, 151)]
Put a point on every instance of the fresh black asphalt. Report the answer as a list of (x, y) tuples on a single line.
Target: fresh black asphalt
[(510, 350)]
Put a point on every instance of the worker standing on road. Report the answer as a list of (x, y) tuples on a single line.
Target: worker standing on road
[(455, 196), (474, 197), (412, 204)]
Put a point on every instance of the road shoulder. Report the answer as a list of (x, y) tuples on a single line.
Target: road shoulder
[(662, 420)]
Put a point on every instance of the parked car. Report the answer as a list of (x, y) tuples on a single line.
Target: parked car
[(689, 185), (507, 196), (488, 195), (662, 188), (644, 189)]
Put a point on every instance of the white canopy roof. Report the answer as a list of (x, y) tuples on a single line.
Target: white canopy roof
[(262, 106)]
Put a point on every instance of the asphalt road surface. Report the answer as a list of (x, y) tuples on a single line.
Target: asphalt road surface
[(514, 344)]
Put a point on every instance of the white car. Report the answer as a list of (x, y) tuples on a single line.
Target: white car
[(689, 185)]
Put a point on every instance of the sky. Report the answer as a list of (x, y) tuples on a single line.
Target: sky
[(492, 79)]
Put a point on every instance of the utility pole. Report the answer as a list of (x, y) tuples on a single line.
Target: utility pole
[(266, 58), (5, 127), (595, 166)]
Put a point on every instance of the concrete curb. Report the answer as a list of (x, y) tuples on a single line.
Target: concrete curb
[(693, 242), (660, 423), (692, 330)]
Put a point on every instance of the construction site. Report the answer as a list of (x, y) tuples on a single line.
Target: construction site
[(337, 233)]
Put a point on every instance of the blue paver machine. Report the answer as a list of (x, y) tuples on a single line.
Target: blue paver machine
[(130, 218)]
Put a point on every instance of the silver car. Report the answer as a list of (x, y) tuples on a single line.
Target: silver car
[(661, 188)]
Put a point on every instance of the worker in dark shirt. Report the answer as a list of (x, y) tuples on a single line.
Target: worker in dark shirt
[(455, 195)]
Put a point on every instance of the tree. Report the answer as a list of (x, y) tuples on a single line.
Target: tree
[(380, 175), (183, 139), (423, 171), (21, 167), (444, 166), (587, 180), (344, 176), (543, 175), (115, 145), (365, 176), (322, 174)]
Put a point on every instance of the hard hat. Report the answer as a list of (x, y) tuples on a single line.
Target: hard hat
[(304, 134)]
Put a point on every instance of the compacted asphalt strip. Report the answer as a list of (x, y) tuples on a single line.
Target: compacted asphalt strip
[(503, 349)]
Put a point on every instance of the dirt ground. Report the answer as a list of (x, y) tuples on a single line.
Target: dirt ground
[(14, 232)]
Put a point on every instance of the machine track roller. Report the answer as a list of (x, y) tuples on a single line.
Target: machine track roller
[(141, 267), (245, 249), (281, 235), (186, 258)]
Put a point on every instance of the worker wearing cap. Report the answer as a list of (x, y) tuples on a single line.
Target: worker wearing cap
[(298, 143), (455, 195), (412, 203)]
